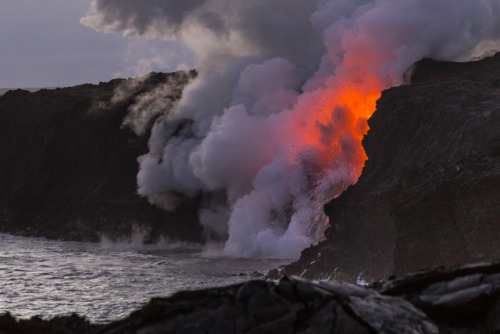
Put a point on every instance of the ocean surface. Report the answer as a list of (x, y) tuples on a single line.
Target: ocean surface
[(106, 281)]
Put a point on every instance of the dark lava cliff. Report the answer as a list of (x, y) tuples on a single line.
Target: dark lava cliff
[(68, 166), (429, 194)]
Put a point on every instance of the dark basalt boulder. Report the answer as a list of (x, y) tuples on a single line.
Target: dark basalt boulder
[(58, 325), (290, 306), (460, 300), (429, 194), (465, 298), (68, 165)]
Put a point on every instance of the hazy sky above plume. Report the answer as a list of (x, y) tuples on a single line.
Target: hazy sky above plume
[(42, 44)]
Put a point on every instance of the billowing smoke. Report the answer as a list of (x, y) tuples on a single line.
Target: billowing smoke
[(271, 129), (148, 105)]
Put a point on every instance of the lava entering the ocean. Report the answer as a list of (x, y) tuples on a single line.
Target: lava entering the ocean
[(271, 129)]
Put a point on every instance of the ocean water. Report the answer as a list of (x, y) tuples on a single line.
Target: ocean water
[(106, 281)]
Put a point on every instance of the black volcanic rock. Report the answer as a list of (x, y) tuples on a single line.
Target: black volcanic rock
[(429, 194), (68, 166), (58, 325), (290, 306), (466, 297), (459, 300)]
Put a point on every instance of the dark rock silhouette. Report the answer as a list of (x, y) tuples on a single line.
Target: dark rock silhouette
[(429, 194), (460, 300), (68, 167)]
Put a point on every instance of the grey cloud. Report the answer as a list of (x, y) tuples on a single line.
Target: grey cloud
[(139, 17)]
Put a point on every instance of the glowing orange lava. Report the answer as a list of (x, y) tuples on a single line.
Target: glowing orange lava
[(337, 134), (341, 122)]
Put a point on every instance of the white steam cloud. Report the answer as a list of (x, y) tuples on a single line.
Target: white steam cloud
[(271, 129)]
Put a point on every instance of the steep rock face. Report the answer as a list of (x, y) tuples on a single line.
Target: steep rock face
[(68, 167), (429, 194)]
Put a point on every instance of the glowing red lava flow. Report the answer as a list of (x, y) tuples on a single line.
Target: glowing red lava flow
[(339, 126), (340, 123)]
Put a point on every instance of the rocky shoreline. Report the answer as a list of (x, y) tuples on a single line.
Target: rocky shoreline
[(464, 299)]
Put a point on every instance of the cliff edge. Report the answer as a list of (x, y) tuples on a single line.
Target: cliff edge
[(68, 162), (429, 194)]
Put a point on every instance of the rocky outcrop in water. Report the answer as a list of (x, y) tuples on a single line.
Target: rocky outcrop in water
[(429, 194), (461, 300), (68, 161)]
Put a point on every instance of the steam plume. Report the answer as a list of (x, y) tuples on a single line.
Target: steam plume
[(272, 127)]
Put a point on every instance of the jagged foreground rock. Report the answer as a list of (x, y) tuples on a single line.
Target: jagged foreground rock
[(461, 300), (68, 166), (290, 306), (429, 194), (466, 298)]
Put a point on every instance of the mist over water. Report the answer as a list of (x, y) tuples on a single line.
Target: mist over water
[(106, 281), (271, 129)]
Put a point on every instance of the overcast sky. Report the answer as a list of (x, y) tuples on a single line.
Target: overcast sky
[(43, 44)]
